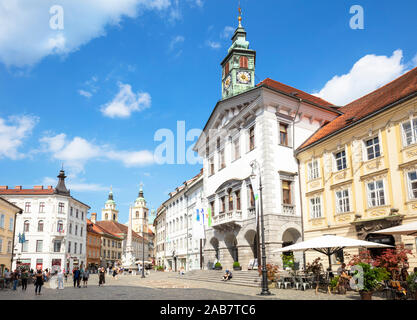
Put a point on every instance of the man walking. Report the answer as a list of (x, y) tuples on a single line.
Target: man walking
[(25, 276), (76, 276), (15, 279), (7, 277)]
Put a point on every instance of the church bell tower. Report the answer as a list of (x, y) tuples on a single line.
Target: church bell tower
[(110, 213), (140, 214), (238, 68)]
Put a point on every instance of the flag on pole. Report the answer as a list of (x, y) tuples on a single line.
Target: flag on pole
[(209, 217)]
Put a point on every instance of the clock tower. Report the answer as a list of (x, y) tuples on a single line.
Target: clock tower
[(238, 68)]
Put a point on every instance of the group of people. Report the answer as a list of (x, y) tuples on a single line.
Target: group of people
[(79, 274), (39, 277)]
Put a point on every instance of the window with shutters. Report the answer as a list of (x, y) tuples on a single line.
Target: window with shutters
[(286, 192), (283, 134), (243, 61)]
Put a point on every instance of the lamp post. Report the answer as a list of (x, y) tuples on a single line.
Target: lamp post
[(143, 253), (265, 291)]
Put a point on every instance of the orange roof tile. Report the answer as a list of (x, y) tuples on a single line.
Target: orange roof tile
[(290, 90), (402, 87), (117, 228), (26, 191)]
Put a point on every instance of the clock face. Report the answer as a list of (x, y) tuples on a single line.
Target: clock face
[(243, 77), (227, 82)]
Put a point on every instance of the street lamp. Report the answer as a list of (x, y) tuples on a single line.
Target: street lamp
[(143, 252), (265, 291)]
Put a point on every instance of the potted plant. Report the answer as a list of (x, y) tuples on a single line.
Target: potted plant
[(237, 266), (160, 268), (271, 274), (412, 284), (218, 266), (288, 261), (370, 279), (333, 283)]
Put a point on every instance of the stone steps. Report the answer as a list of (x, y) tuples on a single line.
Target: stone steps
[(242, 278)]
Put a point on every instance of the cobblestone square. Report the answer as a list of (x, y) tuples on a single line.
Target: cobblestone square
[(163, 286)]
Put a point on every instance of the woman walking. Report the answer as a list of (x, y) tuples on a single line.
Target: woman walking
[(101, 277), (25, 276), (38, 282)]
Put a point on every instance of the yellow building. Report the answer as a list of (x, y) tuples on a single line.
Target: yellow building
[(8, 213), (358, 173)]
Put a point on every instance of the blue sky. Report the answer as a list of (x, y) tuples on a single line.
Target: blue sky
[(93, 95)]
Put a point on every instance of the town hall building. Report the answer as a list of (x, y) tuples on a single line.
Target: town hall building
[(261, 123)]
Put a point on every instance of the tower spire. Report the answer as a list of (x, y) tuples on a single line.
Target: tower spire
[(240, 15), (60, 187)]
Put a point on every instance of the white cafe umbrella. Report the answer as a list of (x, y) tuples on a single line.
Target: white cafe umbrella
[(409, 229), (329, 245)]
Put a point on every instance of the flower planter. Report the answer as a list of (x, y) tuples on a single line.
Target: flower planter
[(366, 295), (218, 268), (237, 268)]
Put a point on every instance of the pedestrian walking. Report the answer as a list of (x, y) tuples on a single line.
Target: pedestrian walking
[(101, 277), (38, 282), (76, 277), (86, 275), (25, 276), (15, 279), (7, 277), (60, 279)]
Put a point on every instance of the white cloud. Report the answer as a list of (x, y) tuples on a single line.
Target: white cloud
[(85, 93), (175, 41), (227, 32), (26, 36), (13, 131), (213, 44), (126, 102), (367, 74), (76, 152), (132, 158)]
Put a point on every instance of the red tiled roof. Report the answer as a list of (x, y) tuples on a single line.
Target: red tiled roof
[(117, 228), (353, 112), (7, 191), (94, 228), (290, 90)]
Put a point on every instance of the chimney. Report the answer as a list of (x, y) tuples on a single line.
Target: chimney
[(93, 217), (4, 187), (18, 187), (38, 187)]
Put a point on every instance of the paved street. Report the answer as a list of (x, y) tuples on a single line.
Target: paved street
[(162, 286)]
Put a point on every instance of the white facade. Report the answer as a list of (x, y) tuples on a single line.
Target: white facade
[(47, 247), (243, 129), (194, 192), (160, 236), (180, 249)]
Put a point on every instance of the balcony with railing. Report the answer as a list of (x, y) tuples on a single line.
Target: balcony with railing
[(227, 219), (288, 209)]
